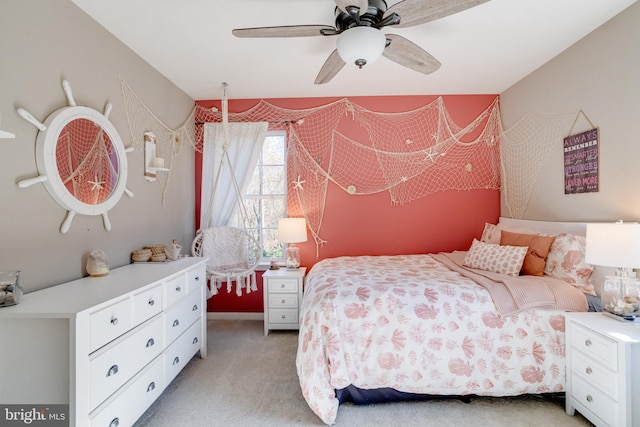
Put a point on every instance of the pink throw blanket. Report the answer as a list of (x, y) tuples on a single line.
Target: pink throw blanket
[(514, 294)]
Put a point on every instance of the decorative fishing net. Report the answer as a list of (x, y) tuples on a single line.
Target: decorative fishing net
[(408, 154)]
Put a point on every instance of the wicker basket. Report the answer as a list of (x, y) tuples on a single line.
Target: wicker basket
[(158, 249), (141, 255), (158, 257)]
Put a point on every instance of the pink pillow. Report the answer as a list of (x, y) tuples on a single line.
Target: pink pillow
[(495, 258), (566, 261)]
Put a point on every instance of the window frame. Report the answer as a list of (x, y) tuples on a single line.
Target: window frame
[(259, 232)]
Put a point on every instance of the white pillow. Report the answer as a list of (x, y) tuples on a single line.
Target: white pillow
[(495, 258)]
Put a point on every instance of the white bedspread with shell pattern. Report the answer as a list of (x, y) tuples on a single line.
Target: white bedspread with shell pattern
[(410, 323)]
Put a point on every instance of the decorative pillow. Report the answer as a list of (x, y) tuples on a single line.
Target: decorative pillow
[(495, 258), (491, 232), (566, 261), (536, 257)]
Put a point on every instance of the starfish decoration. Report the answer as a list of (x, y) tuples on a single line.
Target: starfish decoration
[(97, 185), (430, 155), (298, 183)]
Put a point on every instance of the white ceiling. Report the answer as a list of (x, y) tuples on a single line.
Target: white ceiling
[(483, 50)]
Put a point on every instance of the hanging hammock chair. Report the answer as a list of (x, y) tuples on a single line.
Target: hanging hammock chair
[(232, 251)]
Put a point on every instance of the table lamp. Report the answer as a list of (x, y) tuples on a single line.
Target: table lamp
[(617, 245), (292, 231)]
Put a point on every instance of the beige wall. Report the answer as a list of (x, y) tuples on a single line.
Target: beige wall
[(42, 42), (600, 75)]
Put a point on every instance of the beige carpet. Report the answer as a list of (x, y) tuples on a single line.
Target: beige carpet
[(250, 380)]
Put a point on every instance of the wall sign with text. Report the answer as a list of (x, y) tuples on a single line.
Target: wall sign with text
[(581, 162)]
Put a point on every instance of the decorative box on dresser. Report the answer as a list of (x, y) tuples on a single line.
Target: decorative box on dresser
[(282, 291), (107, 346), (603, 369)]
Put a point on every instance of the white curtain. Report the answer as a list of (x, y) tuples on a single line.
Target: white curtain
[(245, 142)]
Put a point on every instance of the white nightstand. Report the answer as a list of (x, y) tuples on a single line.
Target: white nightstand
[(603, 369), (282, 298)]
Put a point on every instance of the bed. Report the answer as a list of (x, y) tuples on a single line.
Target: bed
[(450, 324)]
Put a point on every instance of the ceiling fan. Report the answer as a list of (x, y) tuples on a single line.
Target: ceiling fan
[(360, 40)]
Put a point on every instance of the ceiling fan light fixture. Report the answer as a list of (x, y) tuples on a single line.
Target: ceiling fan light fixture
[(361, 45)]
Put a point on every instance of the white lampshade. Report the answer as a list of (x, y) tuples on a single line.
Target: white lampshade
[(361, 45), (292, 230), (613, 245)]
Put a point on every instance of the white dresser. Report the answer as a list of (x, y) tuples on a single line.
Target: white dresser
[(282, 291), (603, 369), (107, 346)]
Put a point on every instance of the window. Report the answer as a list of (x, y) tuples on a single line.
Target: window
[(266, 195)]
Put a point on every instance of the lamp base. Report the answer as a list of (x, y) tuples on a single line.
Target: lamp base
[(292, 257)]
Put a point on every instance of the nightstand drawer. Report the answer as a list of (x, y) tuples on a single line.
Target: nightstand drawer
[(283, 315), (594, 373), (283, 285), (597, 346), (594, 400), (283, 301)]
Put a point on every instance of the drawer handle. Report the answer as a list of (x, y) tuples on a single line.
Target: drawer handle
[(587, 342), (151, 302), (114, 321), (283, 301), (114, 422), (284, 316), (282, 285), (589, 398), (151, 387), (178, 288), (195, 340), (197, 278), (112, 370), (195, 307), (176, 360), (150, 342), (589, 370), (176, 323)]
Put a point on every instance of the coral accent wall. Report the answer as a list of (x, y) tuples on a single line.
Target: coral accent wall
[(370, 224)]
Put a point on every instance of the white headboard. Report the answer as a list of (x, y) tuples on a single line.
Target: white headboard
[(551, 227)]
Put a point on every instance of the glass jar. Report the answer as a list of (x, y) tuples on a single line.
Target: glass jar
[(621, 295), (10, 287)]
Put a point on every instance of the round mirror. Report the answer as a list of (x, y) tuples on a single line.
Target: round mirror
[(81, 160), (87, 161), (82, 155)]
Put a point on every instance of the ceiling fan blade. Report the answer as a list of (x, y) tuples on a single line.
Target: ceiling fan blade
[(286, 31), (410, 55), (331, 67), (416, 12), (362, 5)]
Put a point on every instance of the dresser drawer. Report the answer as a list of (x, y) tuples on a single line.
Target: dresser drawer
[(597, 346), (196, 278), (283, 315), (181, 351), (109, 323), (283, 301), (603, 379), (174, 290), (282, 285), (594, 400), (147, 304), (182, 315), (114, 365), (126, 407)]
